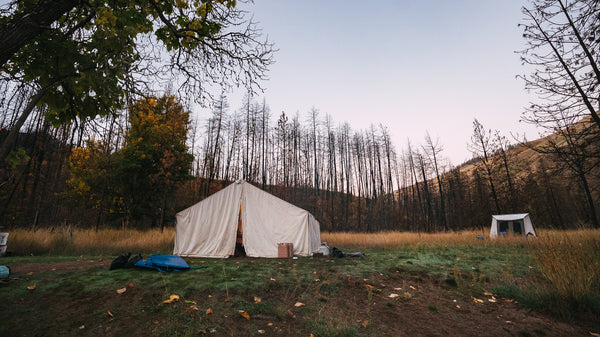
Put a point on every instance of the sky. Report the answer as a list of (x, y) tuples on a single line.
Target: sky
[(414, 66)]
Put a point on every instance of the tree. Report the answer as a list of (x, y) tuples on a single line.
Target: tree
[(482, 147), (98, 53), (155, 159), (432, 150), (563, 44)]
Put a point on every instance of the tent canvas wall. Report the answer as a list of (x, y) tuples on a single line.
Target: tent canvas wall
[(518, 224), (209, 228)]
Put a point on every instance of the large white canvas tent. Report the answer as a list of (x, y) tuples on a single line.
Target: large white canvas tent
[(517, 224), (209, 228)]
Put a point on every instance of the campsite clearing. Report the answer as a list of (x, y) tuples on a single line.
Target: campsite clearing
[(416, 291)]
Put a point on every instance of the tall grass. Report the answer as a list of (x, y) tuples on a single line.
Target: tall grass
[(409, 239), (570, 261), (70, 241)]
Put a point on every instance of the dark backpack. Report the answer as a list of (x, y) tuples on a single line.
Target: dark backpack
[(120, 262)]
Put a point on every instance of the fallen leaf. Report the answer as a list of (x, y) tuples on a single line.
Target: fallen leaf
[(30, 273), (209, 296), (493, 299), (269, 324), (397, 288), (272, 279), (457, 306), (131, 285), (476, 300), (393, 295), (299, 304), (208, 311), (172, 298), (317, 280), (290, 313), (122, 290), (110, 313), (31, 287), (413, 288), (595, 334), (365, 323), (244, 314), (191, 308), (368, 286), (257, 299), (262, 332), (227, 300), (488, 293)]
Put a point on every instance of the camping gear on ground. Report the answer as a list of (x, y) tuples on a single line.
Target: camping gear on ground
[(516, 224), (209, 228), (4, 272), (338, 253), (123, 261), (3, 241), (164, 263), (285, 249), (324, 249)]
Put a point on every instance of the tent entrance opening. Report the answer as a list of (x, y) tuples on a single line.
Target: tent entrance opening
[(239, 238)]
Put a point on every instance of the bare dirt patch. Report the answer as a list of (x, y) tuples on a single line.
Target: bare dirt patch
[(46, 267)]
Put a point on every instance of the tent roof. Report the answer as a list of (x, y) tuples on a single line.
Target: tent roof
[(510, 217)]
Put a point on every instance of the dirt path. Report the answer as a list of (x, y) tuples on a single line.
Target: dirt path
[(46, 267)]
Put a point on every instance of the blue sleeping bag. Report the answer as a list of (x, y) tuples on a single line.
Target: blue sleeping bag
[(164, 263)]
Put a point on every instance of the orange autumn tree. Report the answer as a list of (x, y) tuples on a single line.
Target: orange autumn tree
[(155, 159), (136, 182)]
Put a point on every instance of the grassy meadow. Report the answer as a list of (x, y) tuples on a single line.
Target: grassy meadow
[(556, 274)]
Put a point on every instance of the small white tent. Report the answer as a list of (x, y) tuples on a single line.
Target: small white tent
[(518, 224), (209, 228)]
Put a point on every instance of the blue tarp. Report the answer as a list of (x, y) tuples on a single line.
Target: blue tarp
[(164, 263)]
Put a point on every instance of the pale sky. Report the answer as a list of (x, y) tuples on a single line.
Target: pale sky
[(414, 66)]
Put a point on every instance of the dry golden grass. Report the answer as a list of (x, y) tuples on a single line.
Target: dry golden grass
[(400, 239), (70, 241), (570, 261)]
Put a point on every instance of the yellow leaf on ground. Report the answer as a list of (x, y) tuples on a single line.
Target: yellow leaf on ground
[(122, 290), (262, 332), (30, 273), (488, 293), (257, 299), (413, 288), (31, 287), (393, 295), (208, 311), (244, 314), (172, 298), (110, 313), (299, 304)]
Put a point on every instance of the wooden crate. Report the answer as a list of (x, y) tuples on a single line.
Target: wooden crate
[(285, 249)]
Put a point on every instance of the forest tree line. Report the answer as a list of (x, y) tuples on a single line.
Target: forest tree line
[(351, 180)]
